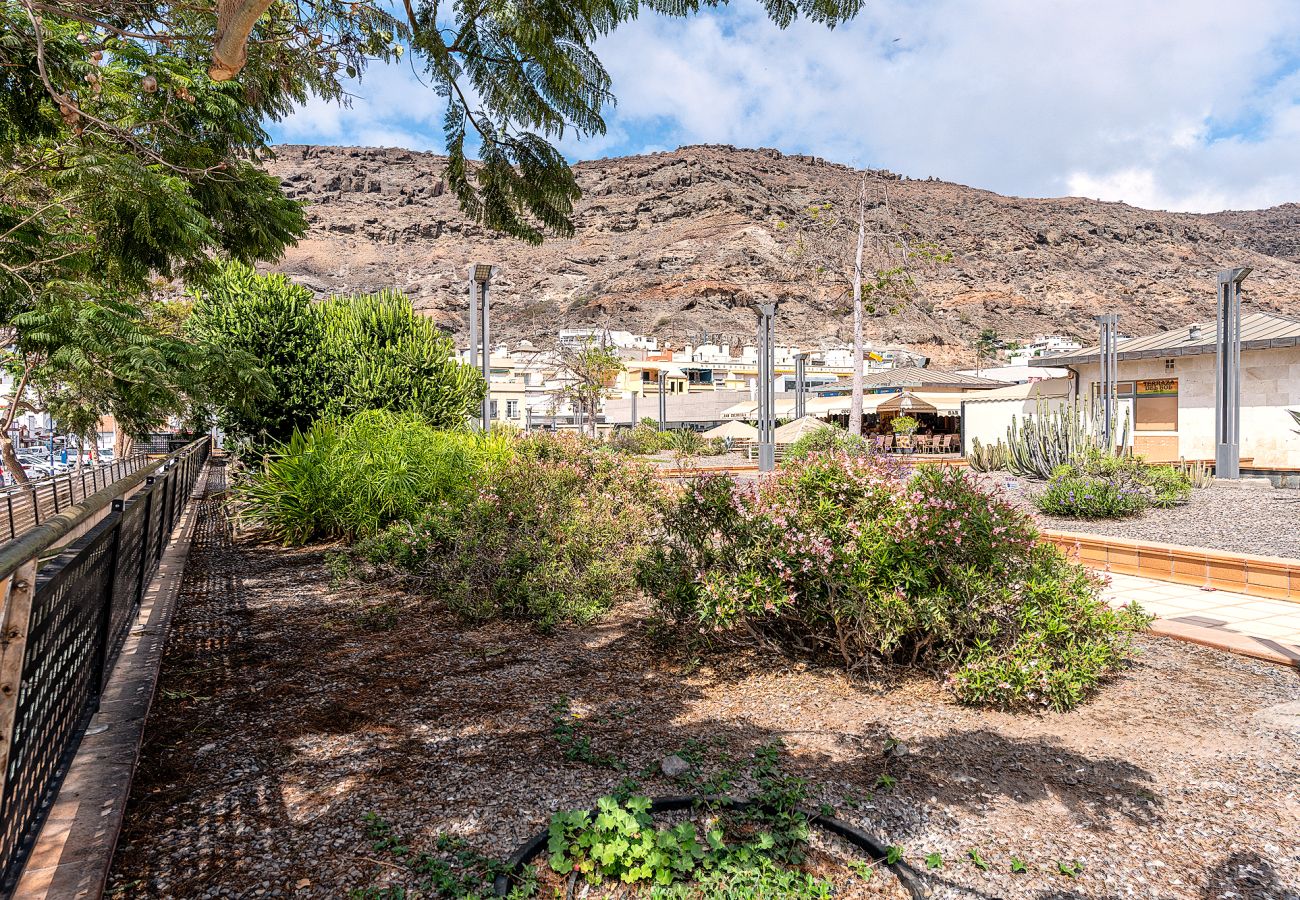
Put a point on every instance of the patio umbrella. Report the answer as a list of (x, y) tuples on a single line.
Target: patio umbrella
[(792, 431), (737, 431)]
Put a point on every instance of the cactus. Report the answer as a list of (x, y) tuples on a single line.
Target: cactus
[(1047, 439), (1199, 472), (987, 457)]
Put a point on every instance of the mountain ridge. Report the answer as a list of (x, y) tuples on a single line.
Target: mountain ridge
[(679, 244)]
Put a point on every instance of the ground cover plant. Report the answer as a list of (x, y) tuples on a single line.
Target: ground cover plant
[(761, 848), (1100, 485), (554, 534), (833, 557)]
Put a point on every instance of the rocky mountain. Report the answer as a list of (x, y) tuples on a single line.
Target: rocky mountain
[(1273, 232), (681, 244)]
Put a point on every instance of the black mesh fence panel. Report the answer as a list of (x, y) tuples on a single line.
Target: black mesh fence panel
[(82, 609)]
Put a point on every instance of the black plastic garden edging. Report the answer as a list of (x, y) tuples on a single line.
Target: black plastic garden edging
[(877, 852)]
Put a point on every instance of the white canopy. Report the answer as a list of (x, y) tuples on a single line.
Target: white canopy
[(736, 430), (792, 431)]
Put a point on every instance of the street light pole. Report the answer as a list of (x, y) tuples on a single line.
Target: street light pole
[(1227, 372), (766, 367), (663, 399), (800, 385), (481, 277), (1109, 373)]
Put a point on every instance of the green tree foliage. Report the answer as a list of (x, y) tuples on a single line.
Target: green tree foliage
[(346, 355), (122, 166), (122, 161), (386, 356), (588, 373), (275, 322), (83, 359), (512, 79)]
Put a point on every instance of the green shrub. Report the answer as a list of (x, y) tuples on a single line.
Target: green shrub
[(905, 425), (825, 439), (351, 477), (1099, 485), (273, 320), (553, 536), (638, 440), (833, 557), (346, 355), (1089, 497)]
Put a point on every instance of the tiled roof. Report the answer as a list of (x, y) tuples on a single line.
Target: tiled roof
[(916, 377), (1259, 331)]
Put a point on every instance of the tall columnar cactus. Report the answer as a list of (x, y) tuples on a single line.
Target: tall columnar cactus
[(1047, 439)]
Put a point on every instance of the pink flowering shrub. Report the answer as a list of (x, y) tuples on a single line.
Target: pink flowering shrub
[(553, 536), (836, 557)]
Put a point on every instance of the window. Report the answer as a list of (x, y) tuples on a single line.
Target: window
[(492, 413), (512, 409), (1155, 408), (1169, 365)]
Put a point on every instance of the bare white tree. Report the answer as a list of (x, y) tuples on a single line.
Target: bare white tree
[(855, 403)]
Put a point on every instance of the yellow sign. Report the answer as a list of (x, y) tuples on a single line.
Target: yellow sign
[(1158, 386)]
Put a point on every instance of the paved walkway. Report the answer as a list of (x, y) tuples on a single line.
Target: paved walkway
[(1267, 629)]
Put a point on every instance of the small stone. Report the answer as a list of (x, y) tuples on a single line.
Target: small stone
[(673, 766)]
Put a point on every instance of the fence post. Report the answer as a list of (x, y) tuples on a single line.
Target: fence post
[(36, 506), (21, 588), (147, 517), (9, 502), (106, 613)]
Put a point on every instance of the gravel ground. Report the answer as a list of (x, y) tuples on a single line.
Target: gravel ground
[(1237, 520), (290, 708)]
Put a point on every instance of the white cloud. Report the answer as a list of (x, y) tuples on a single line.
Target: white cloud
[(1181, 104)]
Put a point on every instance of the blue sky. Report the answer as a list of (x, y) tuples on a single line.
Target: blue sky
[(1171, 104)]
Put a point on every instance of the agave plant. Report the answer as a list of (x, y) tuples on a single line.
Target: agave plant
[(1295, 414)]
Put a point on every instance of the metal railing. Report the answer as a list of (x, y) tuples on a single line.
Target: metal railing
[(23, 507), (63, 624)]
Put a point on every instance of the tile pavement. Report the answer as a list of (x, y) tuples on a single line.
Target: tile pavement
[(1257, 626)]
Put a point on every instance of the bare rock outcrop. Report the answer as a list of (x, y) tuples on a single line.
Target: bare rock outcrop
[(680, 244)]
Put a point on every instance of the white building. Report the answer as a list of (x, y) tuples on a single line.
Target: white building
[(1042, 345), (1167, 383)]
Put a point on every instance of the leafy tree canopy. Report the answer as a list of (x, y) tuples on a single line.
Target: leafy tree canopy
[(183, 89), (343, 356)]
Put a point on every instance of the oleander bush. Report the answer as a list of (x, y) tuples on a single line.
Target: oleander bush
[(555, 535), (351, 477), (640, 439), (834, 557), (1100, 485)]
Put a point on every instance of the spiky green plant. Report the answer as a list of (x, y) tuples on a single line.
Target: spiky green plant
[(987, 457), (1047, 439), (1198, 471)]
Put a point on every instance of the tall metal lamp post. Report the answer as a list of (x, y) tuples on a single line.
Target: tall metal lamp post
[(480, 276), (766, 368), (800, 385), (1109, 375), (1227, 376), (663, 399)]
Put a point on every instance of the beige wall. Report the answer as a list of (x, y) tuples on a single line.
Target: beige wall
[(1270, 385)]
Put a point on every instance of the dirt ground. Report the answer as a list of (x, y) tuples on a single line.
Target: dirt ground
[(290, 708)]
